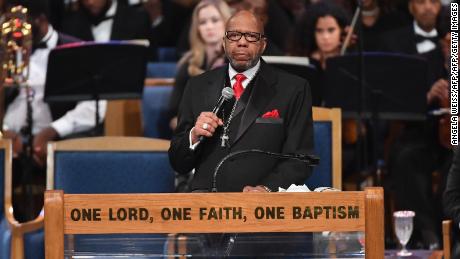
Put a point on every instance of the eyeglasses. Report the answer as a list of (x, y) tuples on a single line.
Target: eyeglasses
[(249, 36)]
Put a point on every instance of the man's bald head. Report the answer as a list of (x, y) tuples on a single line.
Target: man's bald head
[(247, 17)]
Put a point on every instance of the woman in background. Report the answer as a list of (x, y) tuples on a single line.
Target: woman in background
[(318, 34), (206, 33)]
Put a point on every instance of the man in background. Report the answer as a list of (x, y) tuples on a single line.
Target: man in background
[(51, 121)]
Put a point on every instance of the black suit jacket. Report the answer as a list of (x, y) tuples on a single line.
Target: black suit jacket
[(401, 40), (128, 23), (292, 132), (58, 109)]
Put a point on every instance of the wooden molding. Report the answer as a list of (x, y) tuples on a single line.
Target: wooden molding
[(375, 236), (447, 238), (54, 224), (149, 82)]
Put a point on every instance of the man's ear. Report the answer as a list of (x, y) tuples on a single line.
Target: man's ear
[(223, 44), (264, 45), (410, 7)]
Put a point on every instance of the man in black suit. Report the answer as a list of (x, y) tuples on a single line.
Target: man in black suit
[(104, 20), (419, 37), (273, 113)]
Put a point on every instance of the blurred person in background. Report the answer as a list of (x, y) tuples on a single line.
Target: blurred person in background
[(421, 35), (421, 154), (105, 20), (294, 8), (318, 34), (276, 24), (167, 19), (377, 17), (51, 121), (206, 52)]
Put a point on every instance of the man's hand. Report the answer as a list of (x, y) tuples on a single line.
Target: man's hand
[(16, 140), (353, 38), (40, 143), (173, 123), (439, 91), (258, 188), (206, 124)]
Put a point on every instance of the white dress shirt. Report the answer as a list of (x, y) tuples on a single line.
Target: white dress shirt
[(426, 45), (81, 118), (103, 31), (250, 74)]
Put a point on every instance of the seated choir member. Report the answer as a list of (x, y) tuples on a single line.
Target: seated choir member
[(206, 51), (51, 121)]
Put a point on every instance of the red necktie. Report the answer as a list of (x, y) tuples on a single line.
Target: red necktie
[(238, 86)]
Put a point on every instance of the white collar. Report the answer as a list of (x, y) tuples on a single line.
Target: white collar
[(250, 73), (112, 9), (51, 38), (419, 31)]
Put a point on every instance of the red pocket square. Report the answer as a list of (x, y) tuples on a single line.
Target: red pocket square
[(271, 114)]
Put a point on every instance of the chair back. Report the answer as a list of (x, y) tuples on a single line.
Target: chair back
[(110, 165), (328, 147), (161, 69), (167, 54), (155, 111)]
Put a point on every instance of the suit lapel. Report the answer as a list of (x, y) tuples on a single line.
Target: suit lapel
[(116, 25), (216, 84), (412, 47), (261, 95)]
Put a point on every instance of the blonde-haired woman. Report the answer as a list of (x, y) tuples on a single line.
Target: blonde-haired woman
[(206, 52)]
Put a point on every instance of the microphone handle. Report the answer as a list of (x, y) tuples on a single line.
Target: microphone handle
[(215, 110)]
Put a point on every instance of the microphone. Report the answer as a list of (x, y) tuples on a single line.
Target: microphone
[(309, 160), (227, 94)]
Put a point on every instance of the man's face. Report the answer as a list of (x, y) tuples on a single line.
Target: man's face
[(425, 12), (244, 54), (95, 7)]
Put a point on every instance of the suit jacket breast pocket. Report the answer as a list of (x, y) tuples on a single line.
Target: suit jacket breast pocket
[(278, 121)]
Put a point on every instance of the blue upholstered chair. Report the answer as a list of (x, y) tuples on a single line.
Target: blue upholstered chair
[(161, 69), (109, 165), (327, 128), (167, 54), (17, 240), (155, 112)]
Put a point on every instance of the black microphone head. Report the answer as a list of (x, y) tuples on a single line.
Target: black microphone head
[(227, 93)]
